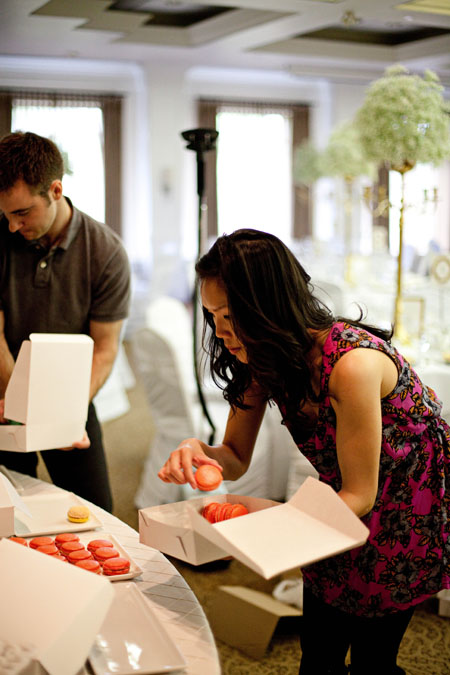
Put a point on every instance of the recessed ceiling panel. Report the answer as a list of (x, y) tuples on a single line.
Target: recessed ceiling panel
[(170, 12), (311, 34), (429, 6), (386, 35)]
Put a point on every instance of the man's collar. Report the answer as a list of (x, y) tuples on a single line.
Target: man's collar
[(71, 229)]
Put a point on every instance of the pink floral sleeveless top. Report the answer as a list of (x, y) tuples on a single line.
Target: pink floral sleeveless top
[(406, 558)]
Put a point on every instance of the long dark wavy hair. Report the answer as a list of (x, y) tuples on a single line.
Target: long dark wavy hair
[(272, 308)]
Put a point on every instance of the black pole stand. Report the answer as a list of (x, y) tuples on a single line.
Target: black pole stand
[(201, 141)]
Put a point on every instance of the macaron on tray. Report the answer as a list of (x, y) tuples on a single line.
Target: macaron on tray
[(50, 513), (93, 551)]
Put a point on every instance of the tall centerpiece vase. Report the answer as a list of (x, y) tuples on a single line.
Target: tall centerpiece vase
[(404, 120), (400, 330), (342, 159), (348, 234)]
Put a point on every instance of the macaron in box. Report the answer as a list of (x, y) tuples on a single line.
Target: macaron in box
[(215, 512), (175, 528)]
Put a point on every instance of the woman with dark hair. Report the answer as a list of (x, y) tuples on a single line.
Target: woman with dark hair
[(360, 414)]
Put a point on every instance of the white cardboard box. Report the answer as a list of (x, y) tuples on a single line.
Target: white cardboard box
[(48, 393), (6, 509), (273, 538), (247, 619), (9, 502), (52, 605)]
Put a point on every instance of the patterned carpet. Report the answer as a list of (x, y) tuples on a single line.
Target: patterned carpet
[(425, 649), (426, 646)]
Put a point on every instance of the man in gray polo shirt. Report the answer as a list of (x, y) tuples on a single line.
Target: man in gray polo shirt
[(60, 272)]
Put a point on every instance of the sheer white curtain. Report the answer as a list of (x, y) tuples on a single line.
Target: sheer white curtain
[(254, 172)]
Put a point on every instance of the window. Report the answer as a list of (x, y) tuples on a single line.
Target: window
[(248, 179), (78, 133), (254, 172), (87, 129)]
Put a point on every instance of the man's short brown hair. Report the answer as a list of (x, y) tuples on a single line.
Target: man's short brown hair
[(34, 159)]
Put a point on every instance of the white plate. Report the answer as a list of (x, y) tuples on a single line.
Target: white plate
[(16, 485), (135, 570), (50, 515), (131, 640)]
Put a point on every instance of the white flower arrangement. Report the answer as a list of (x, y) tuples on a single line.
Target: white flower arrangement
[(344, 155), (307, 164), (404, 120)]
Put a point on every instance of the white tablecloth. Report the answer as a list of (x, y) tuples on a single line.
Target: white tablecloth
[(171, 599)]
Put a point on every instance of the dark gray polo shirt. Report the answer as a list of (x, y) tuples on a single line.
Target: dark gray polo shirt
[(85, 277)]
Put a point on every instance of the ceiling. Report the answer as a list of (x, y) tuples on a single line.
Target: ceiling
[(333, 38)]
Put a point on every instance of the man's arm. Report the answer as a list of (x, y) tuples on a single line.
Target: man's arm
[(6, 359), (106, 336)]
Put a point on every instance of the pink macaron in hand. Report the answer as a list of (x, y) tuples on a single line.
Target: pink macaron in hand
[(208, 477)]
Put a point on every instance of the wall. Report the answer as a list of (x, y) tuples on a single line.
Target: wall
[(160, 201), (173, 203)]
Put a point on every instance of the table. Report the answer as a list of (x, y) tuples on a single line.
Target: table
[(170, 597)]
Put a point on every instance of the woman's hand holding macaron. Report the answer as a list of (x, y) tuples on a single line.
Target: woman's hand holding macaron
[(179, 467)]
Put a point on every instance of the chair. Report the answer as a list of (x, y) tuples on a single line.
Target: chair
[(331, 295), (156, 368), (162, 357), (112, 400)]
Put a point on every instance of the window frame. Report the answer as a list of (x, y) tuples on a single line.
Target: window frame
[(207, 110), (111, 107)]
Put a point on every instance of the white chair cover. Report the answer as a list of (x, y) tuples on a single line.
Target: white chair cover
[(112, 399)]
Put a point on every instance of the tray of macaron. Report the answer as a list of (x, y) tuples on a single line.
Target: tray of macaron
[(96, 552), (53, 512)]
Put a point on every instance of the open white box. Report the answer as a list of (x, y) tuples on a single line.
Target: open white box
[(52, 605), (6, 508), (48, 393), (273, 538), (169, 528)]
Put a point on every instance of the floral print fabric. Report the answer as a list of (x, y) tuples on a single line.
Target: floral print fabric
[(407, 555)]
